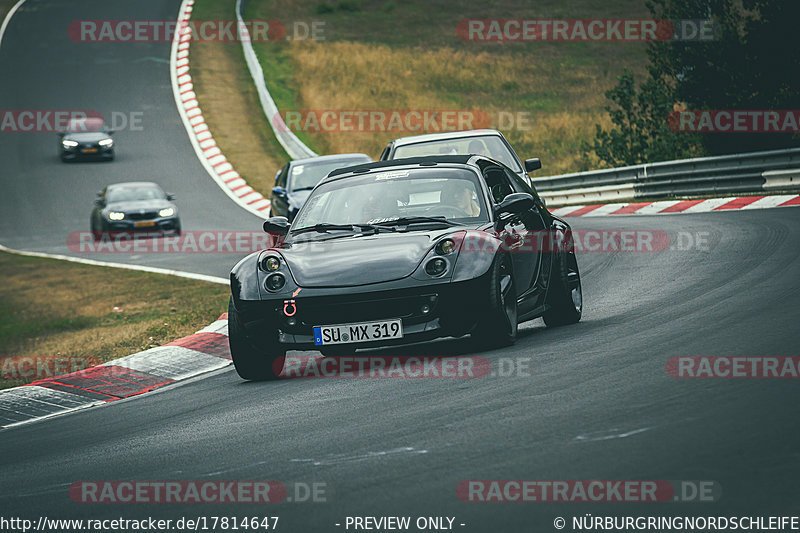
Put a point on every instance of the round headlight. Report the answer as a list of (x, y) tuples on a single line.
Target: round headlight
[(270, 263), (436, 266), (114, 215), (275, 282), (166, 212), (446, 247)]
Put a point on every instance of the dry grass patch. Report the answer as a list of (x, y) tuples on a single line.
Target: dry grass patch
[(563, 103), (230, 104), (55, 309)]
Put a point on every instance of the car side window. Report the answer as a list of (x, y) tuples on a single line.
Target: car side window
[(498, 183), (281, 178), (519, 184)]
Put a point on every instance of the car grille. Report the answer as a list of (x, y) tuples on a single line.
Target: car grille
[(147, 215), (321, 312)]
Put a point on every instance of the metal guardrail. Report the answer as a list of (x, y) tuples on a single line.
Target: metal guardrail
[(293, 146), (755, 172)]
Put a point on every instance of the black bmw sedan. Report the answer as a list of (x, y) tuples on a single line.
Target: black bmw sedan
[(135, 206), (86, 138)]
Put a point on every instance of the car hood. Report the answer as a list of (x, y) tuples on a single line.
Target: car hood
[(147, 205), (359, 260), (87, 136)]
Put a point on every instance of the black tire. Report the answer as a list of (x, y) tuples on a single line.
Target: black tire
[(565, 295), (498, 326), (251, 363), (97, 233), (178, 228)]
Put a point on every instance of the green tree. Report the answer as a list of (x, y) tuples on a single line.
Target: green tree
[(750, 64)]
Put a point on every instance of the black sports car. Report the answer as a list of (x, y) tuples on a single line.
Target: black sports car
[(401, 251), (294, 181), (86, 138), (134, 206), (489, 143)]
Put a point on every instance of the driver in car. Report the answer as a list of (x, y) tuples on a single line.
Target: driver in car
[(478, 148), (457, 193)]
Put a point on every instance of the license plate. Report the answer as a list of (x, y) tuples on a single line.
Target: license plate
[(361, 332), (88, 150), (144, 224)]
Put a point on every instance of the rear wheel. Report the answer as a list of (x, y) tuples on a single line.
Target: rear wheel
[(251, 363), (498, 327), (565, 295)]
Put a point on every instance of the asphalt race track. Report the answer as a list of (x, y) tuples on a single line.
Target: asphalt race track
[(595, 401), (44, 200)]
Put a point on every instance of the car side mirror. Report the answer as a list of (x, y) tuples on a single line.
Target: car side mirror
[(277, 225), (61, 133), (532, 164), (98, 202), (111, 132), (515, 203), (279, 192), (170, 196)]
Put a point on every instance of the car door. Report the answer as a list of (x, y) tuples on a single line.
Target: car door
[(519, 234), (280, 195), (540, 236)]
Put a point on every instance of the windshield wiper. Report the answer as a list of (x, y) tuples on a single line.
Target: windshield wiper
[(325, 228), (303, 188), (404, 221)]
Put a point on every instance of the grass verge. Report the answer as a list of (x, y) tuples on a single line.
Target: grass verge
[(230, 104), (5, 7), (65, 315), (384, 55)]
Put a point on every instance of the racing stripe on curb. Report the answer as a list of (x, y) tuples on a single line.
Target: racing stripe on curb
[(678, 206), (206, 148), (129, 376)]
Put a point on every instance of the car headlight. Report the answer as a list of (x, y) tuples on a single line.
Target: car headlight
[(275, 282), (115, 215), (69, 143), (446, 247), (270, 263), (166, 212), (436, 267), (106, 142)]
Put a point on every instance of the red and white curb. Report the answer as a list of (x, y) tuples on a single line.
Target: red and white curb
[(679, 206), (210, 155), (135, 374)]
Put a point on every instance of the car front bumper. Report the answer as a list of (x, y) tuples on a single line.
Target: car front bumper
[(453, 309), (158, 224)]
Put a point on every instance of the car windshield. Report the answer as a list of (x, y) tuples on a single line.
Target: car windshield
[(83, 125), (134, 194), (307, 175), (487, 145), (386, 195)]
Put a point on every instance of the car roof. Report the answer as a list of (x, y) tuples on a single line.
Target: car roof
[(330, 157), (131, 184), (426, 161), (445, 136)]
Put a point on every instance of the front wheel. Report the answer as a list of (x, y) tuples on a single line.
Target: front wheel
[(498, 326), (565, 295), (250, 363)]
